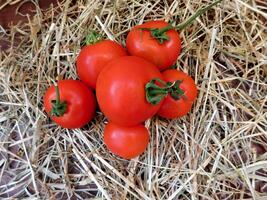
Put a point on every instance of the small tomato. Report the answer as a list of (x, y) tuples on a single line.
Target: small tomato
[(162, 52), (126, 142), (93, 58), (71, 104), (179, 101)]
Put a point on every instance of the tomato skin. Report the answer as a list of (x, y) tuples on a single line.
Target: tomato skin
[(81, 103), (93, 58), (172, 108), (120, 90), (140, 43), (126, 142)]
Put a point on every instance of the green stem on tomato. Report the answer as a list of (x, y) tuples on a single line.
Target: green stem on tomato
[(199, 12), (92, 38), (58, 107), (155, 93), (160, 33)]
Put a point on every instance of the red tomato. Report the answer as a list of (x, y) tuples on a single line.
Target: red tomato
[(79, 101), (172, 108), (120, 90), (93, 58), (127, 142), (140, 43)]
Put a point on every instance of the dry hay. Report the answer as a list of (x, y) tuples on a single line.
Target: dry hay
[(218, 151)]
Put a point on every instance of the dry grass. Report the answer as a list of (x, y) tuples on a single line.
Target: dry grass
[(218, 151)]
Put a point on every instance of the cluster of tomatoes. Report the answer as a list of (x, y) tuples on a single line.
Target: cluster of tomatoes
[(131, 85)]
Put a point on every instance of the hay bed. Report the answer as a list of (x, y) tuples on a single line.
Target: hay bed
[(218, 151)]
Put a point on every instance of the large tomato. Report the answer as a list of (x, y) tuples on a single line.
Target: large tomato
[(120, 90), (93, 58), (74, 108), (127, 142), (180, 105), (141, 43)]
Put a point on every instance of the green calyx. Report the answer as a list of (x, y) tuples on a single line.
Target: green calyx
[(160, 33), (92, 38), (155, 93), (58, 107)]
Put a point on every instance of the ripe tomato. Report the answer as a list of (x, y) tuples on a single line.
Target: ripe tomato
[(120, 90), (77, 104), (93, 58), (127, 142), (174, 108), (140, 43)]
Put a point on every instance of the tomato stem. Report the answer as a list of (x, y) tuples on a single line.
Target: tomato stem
[(199, 12), (160, 33), (155, 93), (92, 38), (58, 107), (57, 94)]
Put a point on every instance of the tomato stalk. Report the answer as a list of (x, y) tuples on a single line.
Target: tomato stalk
[(92, 38), (160, 33), (155, 93), (58, 107)]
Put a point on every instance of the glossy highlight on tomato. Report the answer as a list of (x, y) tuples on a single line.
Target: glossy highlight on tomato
[(172, 108), (126, 142), (78, 103), (93, 58), (140, 43), (120, 90)]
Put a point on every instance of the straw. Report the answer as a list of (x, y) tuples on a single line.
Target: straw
[(217, 151)]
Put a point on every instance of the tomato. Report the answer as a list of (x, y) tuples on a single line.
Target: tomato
[(126, 142), (163, 54), (76, 105), (120, 90), (174, 108), (93, 58)]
